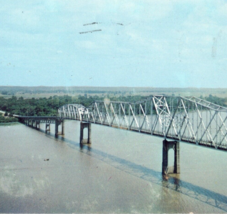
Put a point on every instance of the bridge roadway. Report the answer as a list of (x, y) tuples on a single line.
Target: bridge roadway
[(34, 121), (41, 119), (188, 119), (179, 119)]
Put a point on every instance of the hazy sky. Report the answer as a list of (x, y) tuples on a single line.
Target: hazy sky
[(152, 43)]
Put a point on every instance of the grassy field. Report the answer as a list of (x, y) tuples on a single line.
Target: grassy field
[(38, 92)]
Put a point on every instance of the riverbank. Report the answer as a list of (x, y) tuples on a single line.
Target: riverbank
[(7, 119), (9, 123)]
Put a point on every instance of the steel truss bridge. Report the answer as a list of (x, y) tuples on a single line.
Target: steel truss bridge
[(190, 119)]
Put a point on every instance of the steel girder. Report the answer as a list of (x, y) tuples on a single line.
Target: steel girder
[(72, 111), (188, 119)]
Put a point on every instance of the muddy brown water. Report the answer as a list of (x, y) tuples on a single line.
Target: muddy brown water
[(119, 173)]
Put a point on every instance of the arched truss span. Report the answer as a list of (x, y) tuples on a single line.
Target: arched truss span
[(188, 119)]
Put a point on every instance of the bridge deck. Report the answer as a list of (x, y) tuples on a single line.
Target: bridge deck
[(157, 134), (188, 119), (41, 119)]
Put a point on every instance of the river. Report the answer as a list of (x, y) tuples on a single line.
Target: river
[(120, 172)]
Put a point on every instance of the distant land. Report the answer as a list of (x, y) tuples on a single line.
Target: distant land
[(47, 91)]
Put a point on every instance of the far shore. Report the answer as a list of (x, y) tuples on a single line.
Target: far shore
[(9, 123)]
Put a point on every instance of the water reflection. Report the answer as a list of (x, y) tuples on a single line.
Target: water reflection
[(172, 182), (84, 146)]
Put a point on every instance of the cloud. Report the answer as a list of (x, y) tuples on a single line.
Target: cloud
[(146, 38)]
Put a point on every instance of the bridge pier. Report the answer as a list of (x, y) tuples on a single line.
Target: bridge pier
[(62, 127), (167, 145), (84, 125), (57, 123), (47, 129), (56, 128), (38, 125)]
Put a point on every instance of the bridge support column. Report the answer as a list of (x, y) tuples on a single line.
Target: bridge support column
[(84, 125), (47, 127), (175, 145), (56, 128), (38, 125), (62, 127), (57, 123)]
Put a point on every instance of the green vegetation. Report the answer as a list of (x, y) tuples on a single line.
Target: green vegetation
[(41, 106), (217, 100), (49, 106), (46, 91), (7, 119)]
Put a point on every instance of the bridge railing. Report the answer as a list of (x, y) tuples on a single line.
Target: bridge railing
[(185, 119)]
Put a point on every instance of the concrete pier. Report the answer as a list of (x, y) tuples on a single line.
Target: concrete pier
[(167, 145), (63, 127), (57, 123), (47, 129), (56, 128), (37, 124), (84, 125)]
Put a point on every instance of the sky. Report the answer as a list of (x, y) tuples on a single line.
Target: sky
[(132, 43)]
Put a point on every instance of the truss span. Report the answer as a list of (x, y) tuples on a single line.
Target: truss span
[(71, 111), (188, 119)]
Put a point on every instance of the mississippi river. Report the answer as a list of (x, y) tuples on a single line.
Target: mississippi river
[(119, 173)]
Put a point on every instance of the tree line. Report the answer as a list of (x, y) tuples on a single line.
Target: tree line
[(49, 106), (40, 106)]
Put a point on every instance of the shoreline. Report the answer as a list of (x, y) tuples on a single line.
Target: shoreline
[(9, 123)]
